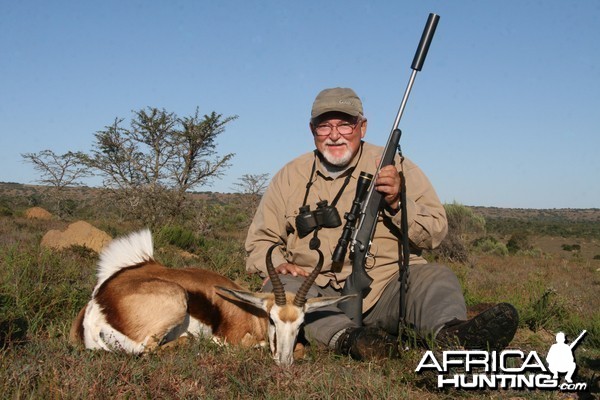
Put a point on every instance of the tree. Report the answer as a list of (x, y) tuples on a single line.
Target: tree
[(253, 184), (151, 165), (58, 172)]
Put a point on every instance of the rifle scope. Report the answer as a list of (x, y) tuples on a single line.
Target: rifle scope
[(364, 181)]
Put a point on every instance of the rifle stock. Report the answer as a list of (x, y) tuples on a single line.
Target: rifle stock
[(359, 282)]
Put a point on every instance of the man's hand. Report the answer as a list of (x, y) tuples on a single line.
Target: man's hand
[(287, 268), (388, 184)]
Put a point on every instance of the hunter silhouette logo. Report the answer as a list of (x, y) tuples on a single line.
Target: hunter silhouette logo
[(560, 357), (507, 369)]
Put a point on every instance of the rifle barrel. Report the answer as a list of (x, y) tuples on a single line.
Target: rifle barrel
[(417, 65), (359, 282), (418, 60)]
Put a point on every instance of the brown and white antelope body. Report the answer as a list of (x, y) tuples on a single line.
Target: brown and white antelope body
[(139, 304)]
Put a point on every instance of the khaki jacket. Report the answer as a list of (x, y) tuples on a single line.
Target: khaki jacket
[(274, 221)]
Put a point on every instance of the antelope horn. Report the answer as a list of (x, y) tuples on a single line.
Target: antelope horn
[(300, 298), (275, 281)]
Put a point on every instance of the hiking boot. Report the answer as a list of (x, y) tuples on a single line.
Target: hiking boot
[(493, 329), (367, 343)]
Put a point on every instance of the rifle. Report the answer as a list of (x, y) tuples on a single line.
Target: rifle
[(368, 202)]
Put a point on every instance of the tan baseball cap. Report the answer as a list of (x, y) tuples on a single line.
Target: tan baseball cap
[(337, 99)]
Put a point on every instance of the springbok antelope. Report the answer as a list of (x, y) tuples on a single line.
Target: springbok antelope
[(139, 304)]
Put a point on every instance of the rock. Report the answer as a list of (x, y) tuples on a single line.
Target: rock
[(37, 213), (78, 233)]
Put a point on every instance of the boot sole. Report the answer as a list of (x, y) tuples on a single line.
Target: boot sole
[(491, 330)]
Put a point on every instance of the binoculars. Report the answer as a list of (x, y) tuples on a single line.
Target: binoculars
[(325, 216)]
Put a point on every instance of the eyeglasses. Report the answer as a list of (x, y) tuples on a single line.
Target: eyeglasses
[(344, 129)]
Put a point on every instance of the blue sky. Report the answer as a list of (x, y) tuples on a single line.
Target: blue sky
[(504, 113)]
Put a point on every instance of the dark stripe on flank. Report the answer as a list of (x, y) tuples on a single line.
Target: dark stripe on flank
[(203, 310)]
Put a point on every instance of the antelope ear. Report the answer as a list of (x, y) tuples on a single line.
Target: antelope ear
[(318, 302), (256, 299)]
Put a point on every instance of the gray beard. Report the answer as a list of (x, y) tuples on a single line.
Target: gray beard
[(340, 162), (336, 170)]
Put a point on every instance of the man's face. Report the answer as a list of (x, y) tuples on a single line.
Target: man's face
[(337, 148)]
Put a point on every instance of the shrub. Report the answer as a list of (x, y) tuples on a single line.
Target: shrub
[(13, 327), (462, 224), (571, 247), (532, 252), (67, 207), (5, 209), (547, 312), (80, 251), (453, 249), (227, 256), (181, 237), (518, 241), (34, 199), (490, 245), (462, 221)]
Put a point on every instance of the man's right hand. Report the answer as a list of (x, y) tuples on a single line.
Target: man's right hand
[(288, 268)]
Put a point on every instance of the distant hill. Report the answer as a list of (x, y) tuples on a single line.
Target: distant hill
[(558, 222), (547, 214), (586, 215), (495, 216)]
